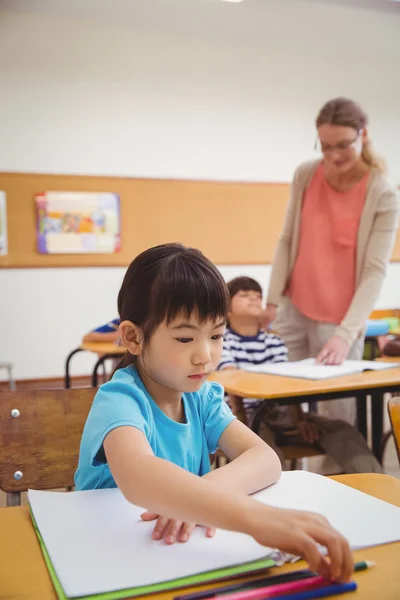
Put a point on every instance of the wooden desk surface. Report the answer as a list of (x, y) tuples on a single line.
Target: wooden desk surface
[(392, 359), (259, 385), (103, 348), (24, 576)]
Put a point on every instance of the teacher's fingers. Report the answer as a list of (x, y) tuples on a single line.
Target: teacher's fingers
[(331, 358), (322, 356)]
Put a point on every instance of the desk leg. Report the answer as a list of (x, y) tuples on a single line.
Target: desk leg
[(67, 362), (257, 418), (96, 368), (99, 363), (362, 414), (377, 424)]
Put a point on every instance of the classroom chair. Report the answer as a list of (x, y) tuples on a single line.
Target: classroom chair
[(40, 434), (394, 415)]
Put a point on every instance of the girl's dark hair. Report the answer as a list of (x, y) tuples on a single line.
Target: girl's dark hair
[(243, 284), (347, 113), (168, 280)]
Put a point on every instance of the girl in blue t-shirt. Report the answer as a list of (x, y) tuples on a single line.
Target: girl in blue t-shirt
[(153, 426)]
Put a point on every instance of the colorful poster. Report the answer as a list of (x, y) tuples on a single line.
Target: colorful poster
[(3, 225), (78, 223)]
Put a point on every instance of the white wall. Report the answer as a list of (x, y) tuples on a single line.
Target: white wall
[(86, 97)]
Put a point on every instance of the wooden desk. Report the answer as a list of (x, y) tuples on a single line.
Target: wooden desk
[(289, 390), (24, 576), (104, 352), (390, 359)]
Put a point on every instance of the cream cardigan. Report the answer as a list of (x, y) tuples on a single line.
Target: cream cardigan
[(375, 240)]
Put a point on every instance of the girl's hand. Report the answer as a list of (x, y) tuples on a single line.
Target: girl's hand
[(334, 352), (299, 533), (172, 531)]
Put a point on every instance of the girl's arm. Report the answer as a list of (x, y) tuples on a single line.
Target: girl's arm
[(164, 488), (254, 464)]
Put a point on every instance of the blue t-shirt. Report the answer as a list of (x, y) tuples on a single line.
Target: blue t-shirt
[(124, 400)]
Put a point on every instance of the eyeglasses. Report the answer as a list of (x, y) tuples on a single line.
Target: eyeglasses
[(340, 147)]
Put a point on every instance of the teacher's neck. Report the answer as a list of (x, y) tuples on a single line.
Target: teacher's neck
[(353, 175), (245, 326)]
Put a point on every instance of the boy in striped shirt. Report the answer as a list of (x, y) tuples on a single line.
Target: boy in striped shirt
[(246, 344)]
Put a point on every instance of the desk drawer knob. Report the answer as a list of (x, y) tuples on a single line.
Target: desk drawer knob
[(18, 475), (15, 413)]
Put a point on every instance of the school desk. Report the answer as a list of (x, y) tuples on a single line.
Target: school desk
[(104, 350), (290, 390), (24, 576), (392, 359)]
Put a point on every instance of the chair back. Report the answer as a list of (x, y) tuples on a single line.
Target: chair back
[(394, 414), (40, 434)]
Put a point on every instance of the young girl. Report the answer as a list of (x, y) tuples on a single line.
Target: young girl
[(152, 428)]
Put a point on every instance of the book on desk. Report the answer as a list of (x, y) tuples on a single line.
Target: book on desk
[(96, 545), (309, 369)]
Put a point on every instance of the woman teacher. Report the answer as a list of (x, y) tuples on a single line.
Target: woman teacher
[(337, 239)]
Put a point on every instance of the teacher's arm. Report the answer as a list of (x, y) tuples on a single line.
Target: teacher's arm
[(281, 264), (378, 254)]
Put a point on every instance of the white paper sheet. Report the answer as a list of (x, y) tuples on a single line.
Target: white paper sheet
[(308, 369), (364, 520), (97, 543)]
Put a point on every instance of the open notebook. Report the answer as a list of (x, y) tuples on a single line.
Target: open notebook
[(94, 543), (308, 369)]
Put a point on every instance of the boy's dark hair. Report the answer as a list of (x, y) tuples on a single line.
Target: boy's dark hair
[(243, 284), (167, 280)]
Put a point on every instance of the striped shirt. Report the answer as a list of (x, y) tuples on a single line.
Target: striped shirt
[(240, 351)]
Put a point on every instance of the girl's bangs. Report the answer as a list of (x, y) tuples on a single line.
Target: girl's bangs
[(189, 288)]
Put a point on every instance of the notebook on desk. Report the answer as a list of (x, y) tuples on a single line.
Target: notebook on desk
[(309, 369), (95, 544)]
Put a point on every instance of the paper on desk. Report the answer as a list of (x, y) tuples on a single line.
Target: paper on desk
[(97, 543), (308, 369), (364, 520)]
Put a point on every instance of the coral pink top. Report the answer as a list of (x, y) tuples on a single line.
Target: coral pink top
[(322, 284)]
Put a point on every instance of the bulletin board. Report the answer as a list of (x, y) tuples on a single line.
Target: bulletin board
[(232, 223)]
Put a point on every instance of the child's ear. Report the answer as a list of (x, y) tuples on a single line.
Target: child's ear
[(131, 337)]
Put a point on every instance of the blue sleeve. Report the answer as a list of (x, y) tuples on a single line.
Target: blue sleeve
[(216, 415), (116, 404), (108, 327)]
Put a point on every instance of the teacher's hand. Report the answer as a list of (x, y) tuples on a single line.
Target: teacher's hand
[(267, 316), (334, 352)]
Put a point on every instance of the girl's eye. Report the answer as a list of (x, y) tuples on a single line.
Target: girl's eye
[(218, 336), (184, 340)]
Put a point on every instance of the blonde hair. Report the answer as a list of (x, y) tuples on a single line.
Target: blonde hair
[(347, 113)]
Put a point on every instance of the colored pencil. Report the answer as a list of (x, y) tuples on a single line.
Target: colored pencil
[(323, 592), (276, 591), (262, 581)]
